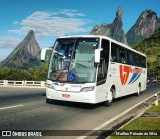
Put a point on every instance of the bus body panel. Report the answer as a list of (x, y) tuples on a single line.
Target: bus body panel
[(113, 79)]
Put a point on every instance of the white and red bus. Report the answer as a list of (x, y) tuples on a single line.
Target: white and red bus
[(93, 69)]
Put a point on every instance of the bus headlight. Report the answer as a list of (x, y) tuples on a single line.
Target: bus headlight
[(49, 86), (85, 89)]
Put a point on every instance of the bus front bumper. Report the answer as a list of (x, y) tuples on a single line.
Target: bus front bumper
[(84, 97)]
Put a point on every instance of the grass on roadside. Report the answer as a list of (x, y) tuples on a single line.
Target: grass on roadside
[(154, 108), (142, 123)]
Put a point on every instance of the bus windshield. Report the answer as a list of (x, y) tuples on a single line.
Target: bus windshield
[(72, 60)]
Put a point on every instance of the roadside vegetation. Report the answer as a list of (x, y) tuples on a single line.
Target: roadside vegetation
[(143, 123), (151, 47), (31, 74), (154, 108)]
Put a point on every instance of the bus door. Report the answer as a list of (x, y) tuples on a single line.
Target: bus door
[(103, 69)]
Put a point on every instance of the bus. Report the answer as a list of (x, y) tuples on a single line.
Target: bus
[(93, 69)]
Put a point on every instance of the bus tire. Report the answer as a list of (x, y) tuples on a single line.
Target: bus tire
[(48, 101), (110, 98)]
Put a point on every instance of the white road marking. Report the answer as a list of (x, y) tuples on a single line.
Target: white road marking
[(11, 107), (111, 120)]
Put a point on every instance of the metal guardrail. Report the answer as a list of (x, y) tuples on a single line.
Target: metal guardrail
[(22, 83)]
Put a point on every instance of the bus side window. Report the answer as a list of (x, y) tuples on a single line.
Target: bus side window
[(129, 58), (144, 62), (122, 56), (114, 53), (140, 61), (135, 57)]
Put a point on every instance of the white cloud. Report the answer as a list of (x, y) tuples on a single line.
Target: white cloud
[(15, 22), (71, 13), (45, 23), (8, 42)]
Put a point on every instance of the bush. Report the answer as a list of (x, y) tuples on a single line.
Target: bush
[(33, 74)]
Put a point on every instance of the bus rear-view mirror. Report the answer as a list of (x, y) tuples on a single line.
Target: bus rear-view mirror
[(97, 55), (45, 54)]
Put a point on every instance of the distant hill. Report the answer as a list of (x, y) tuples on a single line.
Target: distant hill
[(25, 55), (144, 27), (151, 47), (113, 30)]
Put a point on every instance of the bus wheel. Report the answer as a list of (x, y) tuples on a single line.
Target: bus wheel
[(49, 101), (110, 98)]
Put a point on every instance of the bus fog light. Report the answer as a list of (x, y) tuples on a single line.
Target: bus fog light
[(85, 89)]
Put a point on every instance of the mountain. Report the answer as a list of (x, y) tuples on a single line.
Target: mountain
[(25, 55), (113, 30), (151, 47), (145, 25)]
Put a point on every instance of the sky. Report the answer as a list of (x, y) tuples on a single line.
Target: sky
[(50, 19)]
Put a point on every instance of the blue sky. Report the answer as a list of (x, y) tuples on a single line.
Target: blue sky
[(52, 18)]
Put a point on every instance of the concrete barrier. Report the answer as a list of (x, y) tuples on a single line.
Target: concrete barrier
[(22, 83), (1, 82)]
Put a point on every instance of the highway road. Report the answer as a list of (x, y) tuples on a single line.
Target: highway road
[(26, 109)]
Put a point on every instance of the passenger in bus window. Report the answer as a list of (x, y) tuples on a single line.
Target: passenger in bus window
[(123, 61), (113, 58)]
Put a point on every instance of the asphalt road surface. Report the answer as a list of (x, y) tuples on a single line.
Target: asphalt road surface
[(26, 109)]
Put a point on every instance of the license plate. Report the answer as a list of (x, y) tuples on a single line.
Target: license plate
[(66, 95)]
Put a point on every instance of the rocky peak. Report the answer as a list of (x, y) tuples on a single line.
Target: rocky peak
[(119, 12), (118, 20), (146, 24), (25, 53), (113, 30), (148, 14)]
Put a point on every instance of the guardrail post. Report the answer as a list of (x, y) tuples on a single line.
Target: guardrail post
[(42, 83), (24, 83), (156, 99), (5, 82)]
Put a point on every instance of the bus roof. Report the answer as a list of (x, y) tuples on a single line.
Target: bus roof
[(103, 37)]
